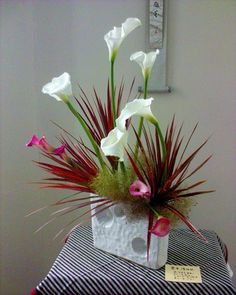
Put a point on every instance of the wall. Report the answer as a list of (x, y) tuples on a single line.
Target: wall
[(42, 39)]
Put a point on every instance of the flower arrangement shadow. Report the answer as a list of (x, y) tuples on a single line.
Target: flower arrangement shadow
[(152, 176)]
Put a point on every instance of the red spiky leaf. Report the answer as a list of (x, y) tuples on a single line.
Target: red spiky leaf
[(186, 221)]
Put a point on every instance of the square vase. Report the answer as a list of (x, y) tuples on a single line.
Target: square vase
[(115, 232)]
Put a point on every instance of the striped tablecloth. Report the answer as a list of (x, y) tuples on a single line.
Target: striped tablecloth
[(81, 269)]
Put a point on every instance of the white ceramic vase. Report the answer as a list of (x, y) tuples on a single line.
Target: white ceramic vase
[(117, 233)]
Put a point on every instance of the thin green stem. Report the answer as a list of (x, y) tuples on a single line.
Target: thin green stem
[(163, 145), (122, 167), (87, 131), (155, 123), (144, 96), (153, 210), (140, 127), (113, 93), (145, 88)]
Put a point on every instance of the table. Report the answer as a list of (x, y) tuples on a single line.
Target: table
[(81, 269)]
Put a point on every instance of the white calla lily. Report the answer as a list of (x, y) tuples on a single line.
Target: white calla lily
[(59, 87), (115, 37), (114, 144), (140, 107), (145, 60)]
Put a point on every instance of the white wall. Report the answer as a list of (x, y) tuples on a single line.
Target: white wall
[(41, 39)]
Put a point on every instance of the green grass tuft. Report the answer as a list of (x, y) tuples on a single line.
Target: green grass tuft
[(115, 187)]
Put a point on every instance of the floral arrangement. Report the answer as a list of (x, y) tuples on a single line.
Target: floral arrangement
[(151, 175)]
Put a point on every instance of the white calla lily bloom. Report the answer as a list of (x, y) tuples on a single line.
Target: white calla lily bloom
[(145, 60), (140, 107), (114, 144), (115, 37), (59, 87)]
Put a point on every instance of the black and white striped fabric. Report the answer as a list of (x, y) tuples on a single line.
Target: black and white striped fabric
[(81, 269)]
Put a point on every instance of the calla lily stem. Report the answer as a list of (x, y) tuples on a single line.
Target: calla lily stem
[(153, 210), (113, 93), (141, 120), (163, 145), (154, 122), (122, 167), (81, 121), (140, 127)]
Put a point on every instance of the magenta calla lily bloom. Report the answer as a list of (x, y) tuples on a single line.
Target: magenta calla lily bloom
[(140, 190), (39, 142), (60, 151), (33, 141), (44, 145), (162, 227)]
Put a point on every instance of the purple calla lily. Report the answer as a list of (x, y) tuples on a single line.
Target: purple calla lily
[(33, 141), (60, 151), (162, 227), (140, 190), (40, 143)]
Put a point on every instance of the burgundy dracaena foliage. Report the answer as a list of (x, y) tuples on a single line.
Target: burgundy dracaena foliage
[(99, 119), (74, 172), (166, 175)]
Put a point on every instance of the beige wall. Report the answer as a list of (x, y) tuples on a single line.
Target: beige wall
[(42, 39)]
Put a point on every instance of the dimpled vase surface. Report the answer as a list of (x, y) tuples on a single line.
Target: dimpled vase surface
[(115, 232)]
